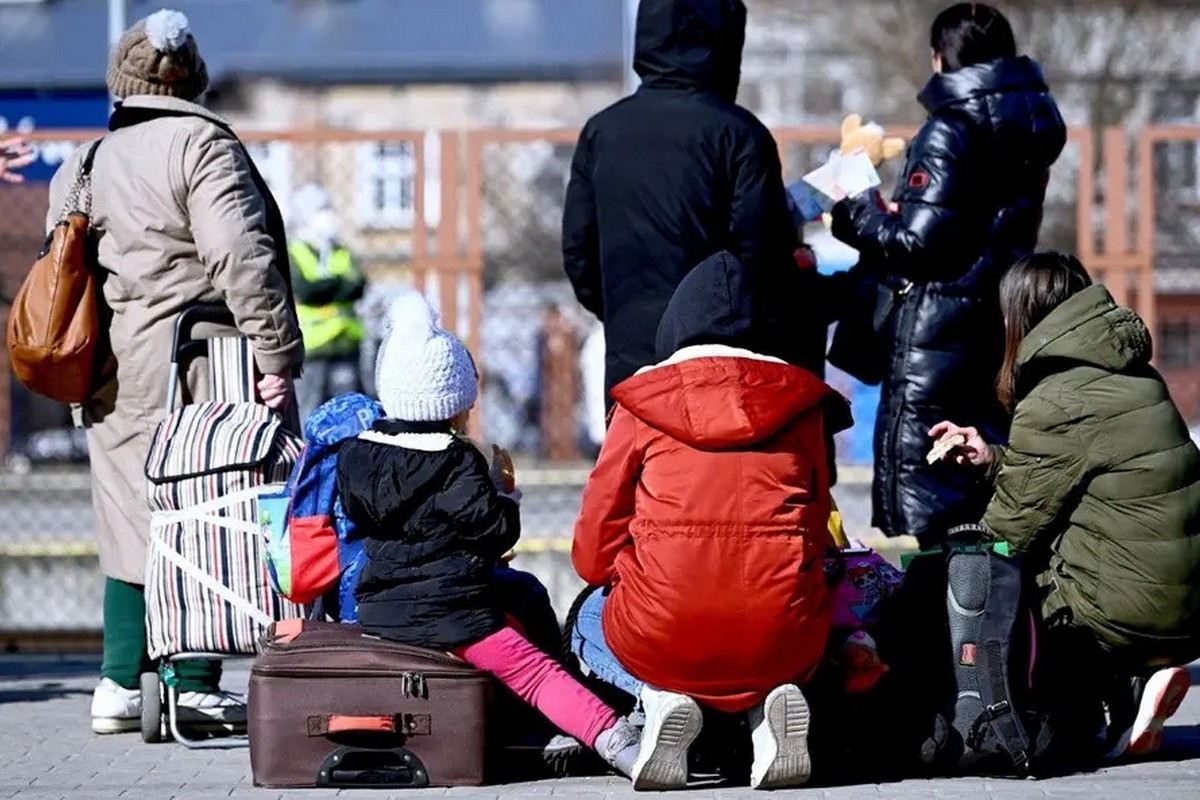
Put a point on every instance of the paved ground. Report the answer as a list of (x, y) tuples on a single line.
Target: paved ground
[(48, 752)]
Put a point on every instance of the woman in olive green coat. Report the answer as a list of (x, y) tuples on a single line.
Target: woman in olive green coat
[(1099, 488)]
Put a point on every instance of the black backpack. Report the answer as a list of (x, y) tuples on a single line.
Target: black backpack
[(962, 641)]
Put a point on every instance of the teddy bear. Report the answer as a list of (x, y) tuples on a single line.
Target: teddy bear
[(868, 138)]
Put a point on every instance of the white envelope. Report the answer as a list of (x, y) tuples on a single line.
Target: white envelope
[(844, 176)]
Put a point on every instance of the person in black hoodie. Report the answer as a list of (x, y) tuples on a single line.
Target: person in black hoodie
[(436, 521), (669, 176), (970, 204)]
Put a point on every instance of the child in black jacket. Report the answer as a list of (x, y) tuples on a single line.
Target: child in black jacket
[(436, 523)]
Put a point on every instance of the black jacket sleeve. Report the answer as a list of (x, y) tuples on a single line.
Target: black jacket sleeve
[(929, 231), (580, 233), (486, 520), (762, 233)]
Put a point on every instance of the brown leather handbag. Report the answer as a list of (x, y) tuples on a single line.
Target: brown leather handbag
[(57, 334)]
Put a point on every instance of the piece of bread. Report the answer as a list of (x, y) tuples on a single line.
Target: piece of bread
[(943, 446)]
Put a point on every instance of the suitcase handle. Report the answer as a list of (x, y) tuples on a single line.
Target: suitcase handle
[(348, 767), (404, 724)]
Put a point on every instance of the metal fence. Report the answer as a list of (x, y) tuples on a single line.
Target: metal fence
[(473, 218)]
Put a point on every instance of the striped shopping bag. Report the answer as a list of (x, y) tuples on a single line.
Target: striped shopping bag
[(207, 588)]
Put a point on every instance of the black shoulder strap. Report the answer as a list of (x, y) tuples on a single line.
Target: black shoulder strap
[(86, 167), (998, 646)]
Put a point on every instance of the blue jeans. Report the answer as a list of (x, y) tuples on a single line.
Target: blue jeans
[(587, 642)]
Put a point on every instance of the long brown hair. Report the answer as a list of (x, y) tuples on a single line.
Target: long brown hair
[(1029, 291)]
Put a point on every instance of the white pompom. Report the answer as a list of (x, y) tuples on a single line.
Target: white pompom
[(167, 30), (412, 316)]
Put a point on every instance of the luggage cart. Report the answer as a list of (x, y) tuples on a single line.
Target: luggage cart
[(209, 463)]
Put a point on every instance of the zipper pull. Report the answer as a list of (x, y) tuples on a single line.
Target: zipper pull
[(905, 289)]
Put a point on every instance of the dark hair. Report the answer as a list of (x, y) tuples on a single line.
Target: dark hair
[(971, 33), (1029, 291)]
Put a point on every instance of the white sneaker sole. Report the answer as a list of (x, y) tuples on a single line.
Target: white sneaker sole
[(781, 757), (663, 760), (1164, 694), (108, 725)]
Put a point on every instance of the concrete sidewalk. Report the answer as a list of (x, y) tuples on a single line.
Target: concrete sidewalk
[(47, 751)]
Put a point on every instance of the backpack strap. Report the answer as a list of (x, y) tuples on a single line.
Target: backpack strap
[(1000, 638)]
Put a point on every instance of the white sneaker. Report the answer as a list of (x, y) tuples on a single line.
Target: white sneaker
[(1162, 697), (779, 732), (673, 722), (220, 707), (116, 709)]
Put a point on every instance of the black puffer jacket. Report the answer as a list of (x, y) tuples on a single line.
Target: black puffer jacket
[(970, 204), (435, 527), (665, 178)]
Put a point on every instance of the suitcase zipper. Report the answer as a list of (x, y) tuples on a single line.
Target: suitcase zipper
[(414, 685), (411, 681)]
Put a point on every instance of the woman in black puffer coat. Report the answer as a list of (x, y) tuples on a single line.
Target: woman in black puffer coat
[(969, 204)]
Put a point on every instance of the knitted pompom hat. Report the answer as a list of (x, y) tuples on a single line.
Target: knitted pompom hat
[(424, 373), (158, 55)]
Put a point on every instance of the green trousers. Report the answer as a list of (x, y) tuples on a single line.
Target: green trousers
[(125, 656)]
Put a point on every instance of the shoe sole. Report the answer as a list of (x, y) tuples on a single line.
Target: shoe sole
[(1147, 734), (781, 756), (108, 725), (665, 764)]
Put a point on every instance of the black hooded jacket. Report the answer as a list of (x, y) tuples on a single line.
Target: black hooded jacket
[(970, 204), (670, 175), (434, 527)]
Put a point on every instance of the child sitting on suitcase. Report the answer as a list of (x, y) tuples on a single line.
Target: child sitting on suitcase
[(437, 522)]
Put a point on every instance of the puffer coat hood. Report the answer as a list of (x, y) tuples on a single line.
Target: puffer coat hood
[(1010, 97), (691, 44), (1100, 484), (1091, 329), (700, 395)]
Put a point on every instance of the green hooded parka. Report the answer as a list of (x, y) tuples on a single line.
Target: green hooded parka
[(1100, 485)]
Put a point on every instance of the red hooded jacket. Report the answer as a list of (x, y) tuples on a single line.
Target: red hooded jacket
[(707, 513)]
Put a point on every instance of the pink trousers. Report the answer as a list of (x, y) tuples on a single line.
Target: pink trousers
[(542, 683)]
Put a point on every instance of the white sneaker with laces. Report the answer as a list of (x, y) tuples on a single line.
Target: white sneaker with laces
[(673, 722), (779, 733), (116, 709), (220, 707)]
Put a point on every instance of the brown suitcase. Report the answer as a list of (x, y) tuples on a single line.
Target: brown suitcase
[(330, 706)]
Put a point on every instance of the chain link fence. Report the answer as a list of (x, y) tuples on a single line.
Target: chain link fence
[(473, 219)]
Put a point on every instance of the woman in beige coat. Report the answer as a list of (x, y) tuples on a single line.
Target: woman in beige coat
[(181, 222)]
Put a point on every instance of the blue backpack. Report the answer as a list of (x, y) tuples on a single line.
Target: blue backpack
[(314, 549)]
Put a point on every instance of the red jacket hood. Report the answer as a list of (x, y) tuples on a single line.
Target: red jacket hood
[(720, 398)]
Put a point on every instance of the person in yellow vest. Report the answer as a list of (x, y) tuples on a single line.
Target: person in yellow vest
[(327, 284)]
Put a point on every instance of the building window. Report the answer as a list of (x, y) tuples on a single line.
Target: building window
[(1177, 164), (1178, 343), (274, 162), (386, 185)]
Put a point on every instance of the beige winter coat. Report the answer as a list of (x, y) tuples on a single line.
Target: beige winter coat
[(181, 222)]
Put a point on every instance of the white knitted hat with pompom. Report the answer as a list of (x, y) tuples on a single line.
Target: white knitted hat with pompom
[(158, 56), (423, 373)]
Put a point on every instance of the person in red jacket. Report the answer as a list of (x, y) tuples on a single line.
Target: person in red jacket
[(705, 523)]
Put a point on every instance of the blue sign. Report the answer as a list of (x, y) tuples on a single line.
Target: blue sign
[(27, 112)]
